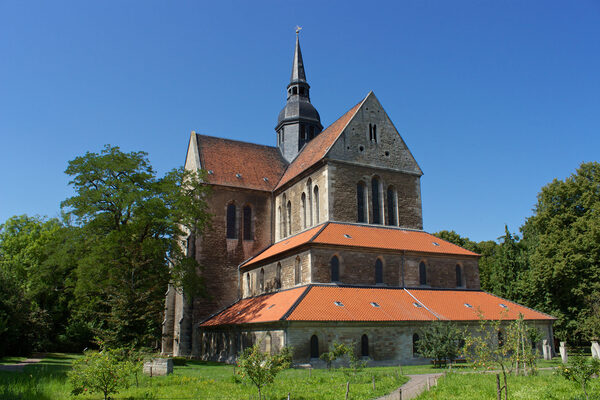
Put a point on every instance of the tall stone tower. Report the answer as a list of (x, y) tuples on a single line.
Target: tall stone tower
[(299, 121)]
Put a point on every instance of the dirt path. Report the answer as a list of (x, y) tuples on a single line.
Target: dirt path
[(18, 367), (416, 385)]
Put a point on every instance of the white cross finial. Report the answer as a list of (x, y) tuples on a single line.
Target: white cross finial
[(298, 29)]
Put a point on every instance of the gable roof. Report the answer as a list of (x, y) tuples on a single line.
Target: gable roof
[(259, 167), (363, 236), (317, 148), (373, 304)]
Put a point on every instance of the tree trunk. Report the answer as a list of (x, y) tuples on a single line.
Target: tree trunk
[(498, 389)]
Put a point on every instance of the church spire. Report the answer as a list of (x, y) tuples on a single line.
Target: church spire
[(298, 122), (298, 74)]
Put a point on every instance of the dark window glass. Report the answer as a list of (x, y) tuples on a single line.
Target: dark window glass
[(314, 346), (360, 202), (262, 279), (415, 345), (391, 203), (375, 133), (458, 276), (335, 269), (375, 201), (303, 203), (297, 272), (289, 218), (364, 346), (316, 193), (500, 339), (231, 233), (422, 274), (370, 132), (278, 277), (378, 271), (247, 223)]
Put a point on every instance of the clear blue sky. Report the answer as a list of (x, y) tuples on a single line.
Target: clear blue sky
[(494, 98)]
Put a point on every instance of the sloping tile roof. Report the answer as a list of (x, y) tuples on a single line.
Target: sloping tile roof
[(450, 305), (316, 149), (265, 308), (364, 236), (253, 162), (372, 304), (394, 305)]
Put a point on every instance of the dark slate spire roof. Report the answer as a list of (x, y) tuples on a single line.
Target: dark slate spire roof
[(298, 74)]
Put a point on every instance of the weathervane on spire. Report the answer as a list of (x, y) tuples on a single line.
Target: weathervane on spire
[(298, 29)]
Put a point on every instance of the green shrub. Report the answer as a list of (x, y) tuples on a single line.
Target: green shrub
[(106, 372), (581, 371), (261, 368)]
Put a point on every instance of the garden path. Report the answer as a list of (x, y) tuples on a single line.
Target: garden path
[(416, 385), (18, 367)]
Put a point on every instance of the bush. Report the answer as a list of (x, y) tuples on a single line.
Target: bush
[(105, 372), (579, 370)]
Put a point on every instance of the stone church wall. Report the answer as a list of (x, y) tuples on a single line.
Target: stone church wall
[(219, 256), (343, 194), (357, 267), (318, 178), (288, 280)]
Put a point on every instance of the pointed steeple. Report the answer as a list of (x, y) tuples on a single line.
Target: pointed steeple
[(298, 122), (298, 74)]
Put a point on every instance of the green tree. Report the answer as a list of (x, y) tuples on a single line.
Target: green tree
[(506, 266), (339, 350), (133, 224), (562, 239), (39, 254), (440, 340), (262, 368)]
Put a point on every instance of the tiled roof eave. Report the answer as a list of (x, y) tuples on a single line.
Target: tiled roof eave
[(291, 182), (390, 251)]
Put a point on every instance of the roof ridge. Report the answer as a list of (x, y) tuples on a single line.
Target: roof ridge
[(296, 303), (423, 304), (356, 107), (238, 141)]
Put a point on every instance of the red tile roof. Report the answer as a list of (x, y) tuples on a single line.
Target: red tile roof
[(265, 308), (316, 149), (253, 162), (454, 305), (354, 304), (372, 304), (364, 236)]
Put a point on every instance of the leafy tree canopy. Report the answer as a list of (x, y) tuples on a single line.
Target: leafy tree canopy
[(134, 222)]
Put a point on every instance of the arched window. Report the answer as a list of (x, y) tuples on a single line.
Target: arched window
[(364, 346), (459, 280), (310, 204), (360, 202), (314, 346), (303, 204), (376, 206), (335, 269), (422, 273), (231, 223), (415, 343), (281, 224), (378, 271), (500, 339), (247, 223), (375, 133), (297, 271), (316, 194), (391, 203), (278, 276), (261, 280), (289, 217), (248, 288)]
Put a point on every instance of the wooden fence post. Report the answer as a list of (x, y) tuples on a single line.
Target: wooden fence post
[(347, 389), (373, 378), (400, 394)]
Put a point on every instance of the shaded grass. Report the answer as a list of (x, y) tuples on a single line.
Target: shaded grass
[(544, 386)]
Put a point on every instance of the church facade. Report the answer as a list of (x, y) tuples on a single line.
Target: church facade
[(320, 239)]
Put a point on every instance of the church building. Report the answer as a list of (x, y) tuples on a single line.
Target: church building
[(320, 239)]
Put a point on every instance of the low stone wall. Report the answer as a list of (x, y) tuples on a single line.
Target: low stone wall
[(158, 367)]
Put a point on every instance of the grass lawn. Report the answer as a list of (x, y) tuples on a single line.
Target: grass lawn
[(200, 380), (544, 386)]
